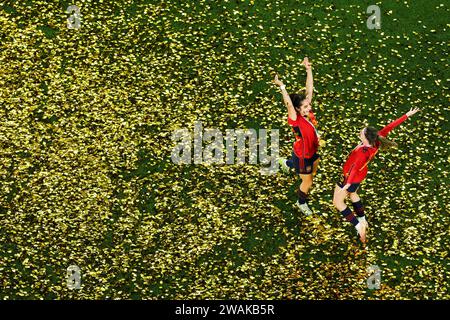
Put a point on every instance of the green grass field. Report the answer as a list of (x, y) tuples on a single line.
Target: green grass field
[(86, 176)]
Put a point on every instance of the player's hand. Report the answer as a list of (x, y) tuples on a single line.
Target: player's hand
[(277, 81), (306, 63), (412, 112), (345, 187)]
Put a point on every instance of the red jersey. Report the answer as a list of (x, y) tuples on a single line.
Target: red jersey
[(355, 168), (306, 138)]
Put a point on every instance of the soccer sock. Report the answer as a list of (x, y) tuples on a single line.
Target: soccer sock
[(350, 216), (359, 208), (302, 197)]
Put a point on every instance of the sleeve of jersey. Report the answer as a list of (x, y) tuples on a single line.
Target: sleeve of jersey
[(292, 122), (356, 167), (384, 132)]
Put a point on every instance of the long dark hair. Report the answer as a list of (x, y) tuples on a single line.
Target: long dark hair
[(297, 100), (372, 136)]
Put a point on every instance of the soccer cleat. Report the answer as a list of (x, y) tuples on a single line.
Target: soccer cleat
[(364, 221), (361, 228), (284, 167), (304, 208)]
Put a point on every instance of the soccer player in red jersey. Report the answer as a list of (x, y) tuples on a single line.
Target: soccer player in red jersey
[(355, 171), (305, 159)]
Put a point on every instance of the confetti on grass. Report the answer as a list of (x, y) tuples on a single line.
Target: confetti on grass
[(86, 176)]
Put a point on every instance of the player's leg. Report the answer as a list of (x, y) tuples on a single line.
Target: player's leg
[(307, 181), (358, 207), (339, 198), (302, 192), (339, 202), (354, 197)]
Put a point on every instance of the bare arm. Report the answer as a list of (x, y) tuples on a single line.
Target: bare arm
[(309, 79), (287, 100)]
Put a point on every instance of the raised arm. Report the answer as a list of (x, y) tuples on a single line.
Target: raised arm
[(309, 80), (287, 100), (384, 132)]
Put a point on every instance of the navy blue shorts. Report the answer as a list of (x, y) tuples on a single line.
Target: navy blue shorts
[(353, 187), (307, 167)]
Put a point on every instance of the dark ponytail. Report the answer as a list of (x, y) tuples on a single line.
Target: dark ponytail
[(372, 136)]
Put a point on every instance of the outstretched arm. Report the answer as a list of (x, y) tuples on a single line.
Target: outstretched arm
[(287, 100), (384, 132), (309, 80)]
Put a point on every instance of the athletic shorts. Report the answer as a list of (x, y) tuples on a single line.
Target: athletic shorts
[(353, 187), (307, 167)]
